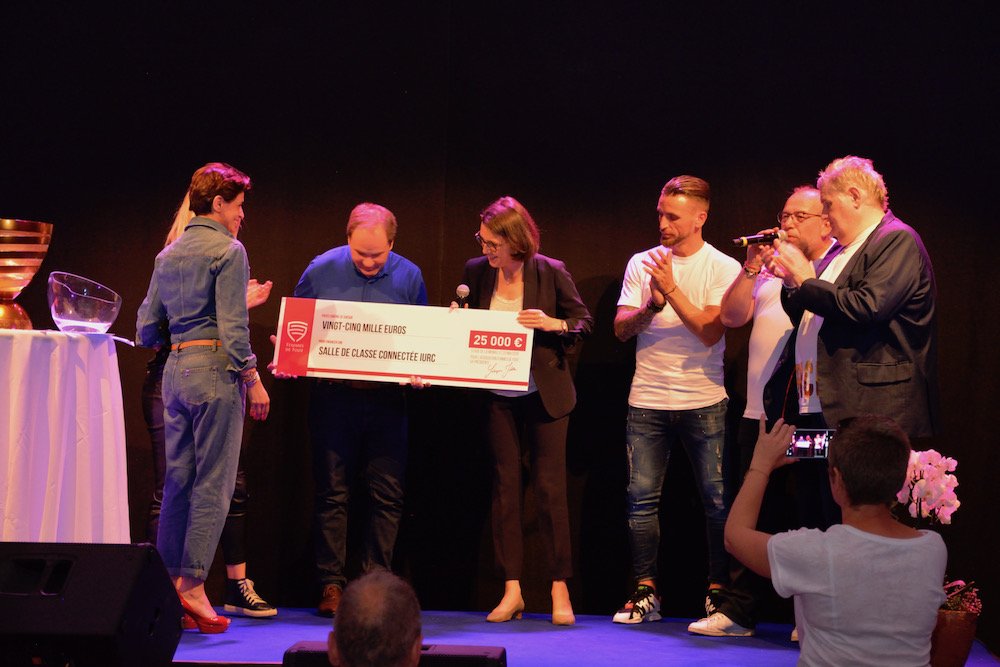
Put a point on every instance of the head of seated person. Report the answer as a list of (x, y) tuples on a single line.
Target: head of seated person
[(868, 461), (377, 624)]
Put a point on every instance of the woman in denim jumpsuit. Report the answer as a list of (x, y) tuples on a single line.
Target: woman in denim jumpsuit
[(198, 289)]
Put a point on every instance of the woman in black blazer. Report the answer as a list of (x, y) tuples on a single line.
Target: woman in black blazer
[(512, 276)]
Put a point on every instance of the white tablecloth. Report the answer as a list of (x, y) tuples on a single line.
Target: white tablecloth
[(62, 439)]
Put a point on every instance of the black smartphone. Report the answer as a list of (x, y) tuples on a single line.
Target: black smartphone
[(810, 443)]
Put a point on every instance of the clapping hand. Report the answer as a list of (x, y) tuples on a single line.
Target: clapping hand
[(661, 274), (257, 292)]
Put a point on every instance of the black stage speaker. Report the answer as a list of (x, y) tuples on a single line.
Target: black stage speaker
[(86, 604), (313, 654)]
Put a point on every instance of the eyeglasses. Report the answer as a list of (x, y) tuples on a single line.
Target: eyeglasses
[(800, 216), (489, 245)]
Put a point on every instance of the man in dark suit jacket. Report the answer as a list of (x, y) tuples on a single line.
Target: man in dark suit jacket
[(866, 336)]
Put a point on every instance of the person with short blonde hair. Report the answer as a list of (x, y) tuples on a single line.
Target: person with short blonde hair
[(859, 172), (866, 324)]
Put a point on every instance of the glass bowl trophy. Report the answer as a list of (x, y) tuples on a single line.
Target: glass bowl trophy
[(23, 244), (81, 305)]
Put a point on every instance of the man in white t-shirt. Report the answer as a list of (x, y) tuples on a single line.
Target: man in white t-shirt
[(842, 577), (670, 300), (756, 293)]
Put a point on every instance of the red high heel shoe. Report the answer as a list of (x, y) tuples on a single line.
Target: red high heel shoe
[(187, 622), (208, 625)]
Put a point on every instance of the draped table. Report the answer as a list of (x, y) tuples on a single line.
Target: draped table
[(63, 474)]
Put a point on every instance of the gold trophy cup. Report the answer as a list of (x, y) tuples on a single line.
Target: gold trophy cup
[(23, 244)]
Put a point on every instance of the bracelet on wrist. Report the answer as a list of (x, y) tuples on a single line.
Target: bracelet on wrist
[(651, 305), (749, 272), (250, 377), (563, 326)]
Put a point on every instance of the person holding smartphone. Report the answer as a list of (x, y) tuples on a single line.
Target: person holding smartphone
[(842, 577)]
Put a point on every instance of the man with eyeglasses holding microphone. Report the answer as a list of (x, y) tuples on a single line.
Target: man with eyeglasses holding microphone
[(756, 293)]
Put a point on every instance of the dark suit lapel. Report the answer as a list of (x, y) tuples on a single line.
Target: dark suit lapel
[(852, 263), (489, 286), (834, 250), (530, 284)]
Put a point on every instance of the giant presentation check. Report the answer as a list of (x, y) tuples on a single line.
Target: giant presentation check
[(392, 342)]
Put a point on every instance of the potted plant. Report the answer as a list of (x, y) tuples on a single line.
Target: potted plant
[(928, 497)]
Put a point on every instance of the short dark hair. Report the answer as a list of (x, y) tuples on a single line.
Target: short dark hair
[(692, 186), (507, 218), (377, 622), (216, 179), (872, 453)]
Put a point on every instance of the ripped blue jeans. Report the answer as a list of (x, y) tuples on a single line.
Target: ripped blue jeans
[(650, 437)]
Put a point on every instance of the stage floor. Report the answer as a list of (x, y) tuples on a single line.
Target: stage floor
[(530, 642)]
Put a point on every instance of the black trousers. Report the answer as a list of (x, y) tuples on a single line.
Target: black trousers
[(517, 426), (357, 431)]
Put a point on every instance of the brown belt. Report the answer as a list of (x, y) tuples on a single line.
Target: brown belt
[(192, 343)]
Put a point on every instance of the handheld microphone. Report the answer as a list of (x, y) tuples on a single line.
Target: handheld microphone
[(462, 292), (744, 241)]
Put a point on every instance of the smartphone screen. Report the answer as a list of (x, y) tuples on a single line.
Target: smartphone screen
[(810, 443)]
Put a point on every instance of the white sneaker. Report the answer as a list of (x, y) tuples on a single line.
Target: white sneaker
[(719, 625), (795, 634), (642, 606)]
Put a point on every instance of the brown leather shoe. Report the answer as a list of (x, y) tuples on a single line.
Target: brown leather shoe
[(331, 600)]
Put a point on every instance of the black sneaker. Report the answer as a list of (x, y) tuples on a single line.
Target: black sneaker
[(713, 599), (241, 598), (644, 605)]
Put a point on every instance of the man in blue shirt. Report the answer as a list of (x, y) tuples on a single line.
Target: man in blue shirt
[(355, 423)]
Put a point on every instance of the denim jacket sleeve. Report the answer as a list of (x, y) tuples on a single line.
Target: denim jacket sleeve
[(232, 272), (152, 316)]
